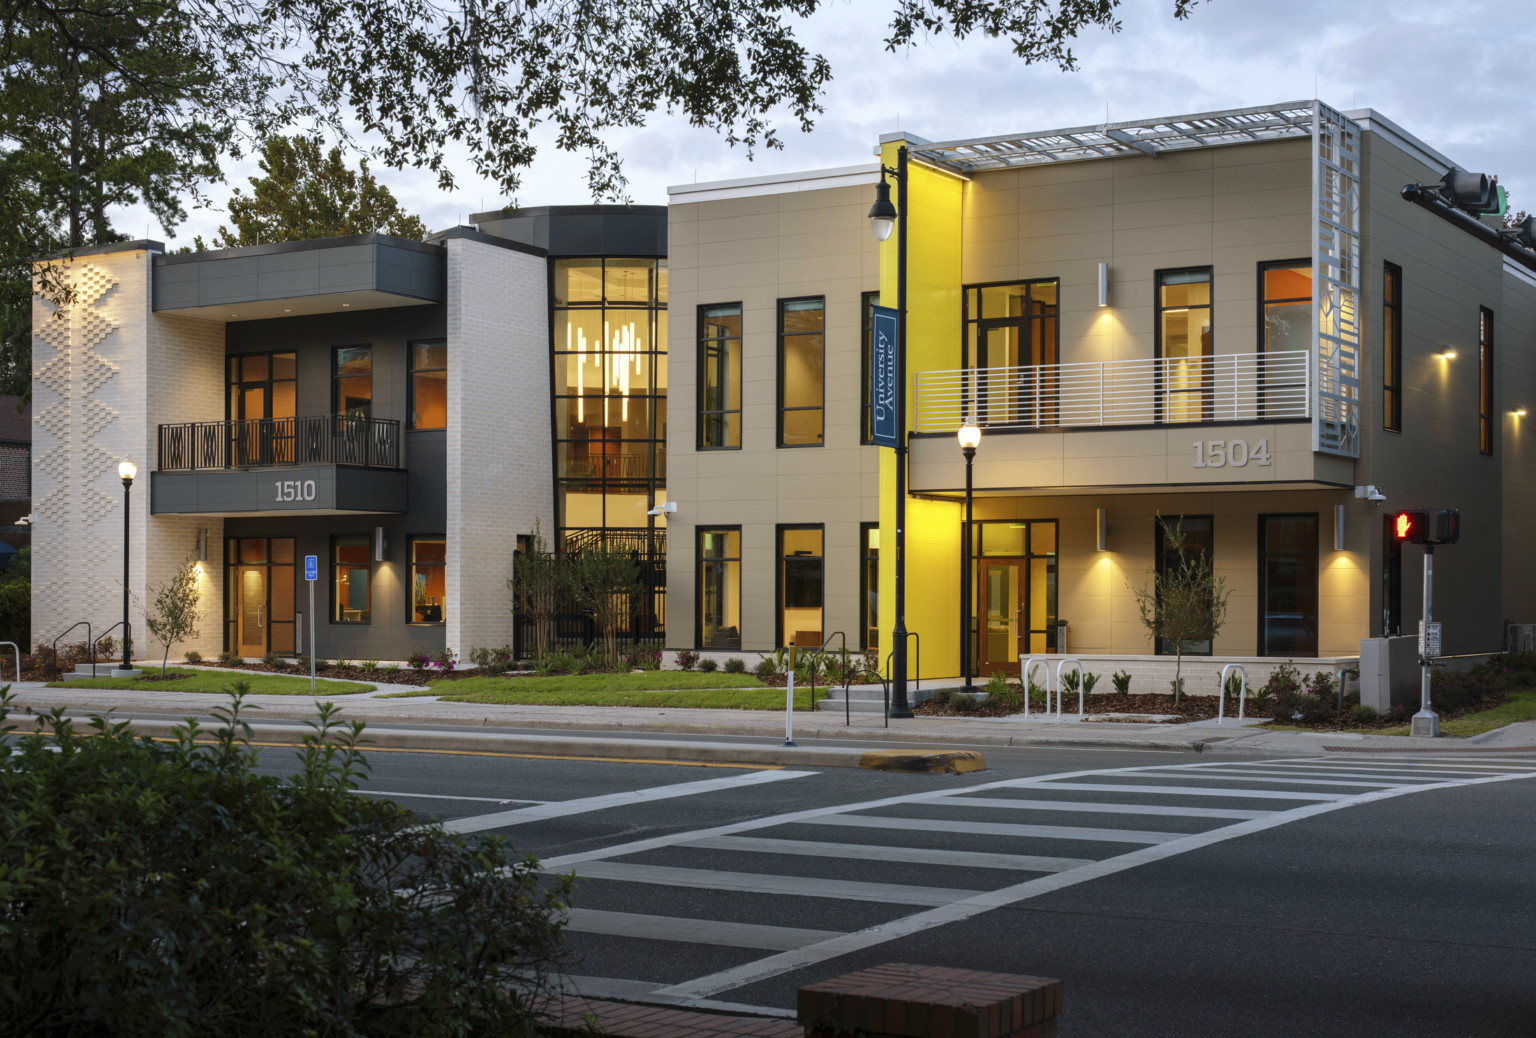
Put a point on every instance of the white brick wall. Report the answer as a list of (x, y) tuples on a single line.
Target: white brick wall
[(499, 479)]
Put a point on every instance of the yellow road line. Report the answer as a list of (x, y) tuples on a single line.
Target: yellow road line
[(518, 756)]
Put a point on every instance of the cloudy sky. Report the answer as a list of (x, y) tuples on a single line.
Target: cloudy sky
[(1447, 72)]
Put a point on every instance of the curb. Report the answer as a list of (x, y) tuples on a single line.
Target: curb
[(933, 762)]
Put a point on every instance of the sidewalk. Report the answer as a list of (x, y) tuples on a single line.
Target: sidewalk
[(697, 727)]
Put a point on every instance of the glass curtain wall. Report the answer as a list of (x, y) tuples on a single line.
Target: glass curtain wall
[(610, 410)]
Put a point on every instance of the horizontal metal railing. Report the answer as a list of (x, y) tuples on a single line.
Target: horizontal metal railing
[(1224, 388), (277, 442)]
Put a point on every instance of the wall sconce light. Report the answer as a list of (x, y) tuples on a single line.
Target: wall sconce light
[(1101, 529), (202, 545), (1338, 527), (1519, 412), (1449, 353), (379, 544), (1103, 284)]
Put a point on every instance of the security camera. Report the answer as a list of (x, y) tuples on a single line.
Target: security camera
[(25, 520), (1369, 493), (663, 508)]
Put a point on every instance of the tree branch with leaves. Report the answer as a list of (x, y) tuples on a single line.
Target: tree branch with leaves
[(1184, 601)]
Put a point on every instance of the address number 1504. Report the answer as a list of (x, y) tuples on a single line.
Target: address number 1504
[(1218, 454)]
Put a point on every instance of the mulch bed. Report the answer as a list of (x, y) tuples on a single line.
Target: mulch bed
[(1189, 708)]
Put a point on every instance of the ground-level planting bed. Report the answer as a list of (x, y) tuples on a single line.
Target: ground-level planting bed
[(1189, 708), (670, 689), (183, 680)]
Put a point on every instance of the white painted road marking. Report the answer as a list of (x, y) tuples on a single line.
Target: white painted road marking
[(583, 805), (768, 883), (1043, 832), (1092, 807), (694, 931), (445, 796), (1192, 791), (889, 852)]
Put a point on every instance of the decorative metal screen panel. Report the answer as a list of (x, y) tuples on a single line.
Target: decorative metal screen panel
[(1336, 281)]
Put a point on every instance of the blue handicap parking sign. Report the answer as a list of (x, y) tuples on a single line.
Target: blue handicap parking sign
[(311, 567)]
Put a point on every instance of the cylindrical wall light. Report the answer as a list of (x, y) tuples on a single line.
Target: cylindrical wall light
[(202, 545), (1103, 284), (1338, 527), (1101, 529), (379, 544)]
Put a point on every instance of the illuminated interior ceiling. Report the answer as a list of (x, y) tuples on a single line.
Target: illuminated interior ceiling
[(1293, 119)]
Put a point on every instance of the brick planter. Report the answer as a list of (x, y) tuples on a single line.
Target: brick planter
[(901, 1001)]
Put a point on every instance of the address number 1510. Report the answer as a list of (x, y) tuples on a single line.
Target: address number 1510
[(1218, 454)]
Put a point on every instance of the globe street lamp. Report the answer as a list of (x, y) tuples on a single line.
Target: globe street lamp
[(970, 438), (883, 218), (126, 470)]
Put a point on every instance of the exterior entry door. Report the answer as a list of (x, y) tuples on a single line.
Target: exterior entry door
[(1002, 602), (252, 611)]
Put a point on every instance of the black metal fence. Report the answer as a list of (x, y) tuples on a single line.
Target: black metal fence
[(273, 442)]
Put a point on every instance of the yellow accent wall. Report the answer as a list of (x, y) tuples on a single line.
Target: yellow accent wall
[(935, 200)]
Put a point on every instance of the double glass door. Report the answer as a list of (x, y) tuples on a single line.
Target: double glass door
[(263, 401), (259, 615)]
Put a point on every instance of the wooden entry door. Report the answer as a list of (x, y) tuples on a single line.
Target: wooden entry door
[(1000, 606), (251, 611)]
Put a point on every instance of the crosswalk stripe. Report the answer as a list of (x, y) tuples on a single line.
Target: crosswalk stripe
[(1386, 766), (1089, 807), (887, 852), (1318, 770), (767, 883), (1190, 791), (693, 931), (943, 825), (1277, 777)]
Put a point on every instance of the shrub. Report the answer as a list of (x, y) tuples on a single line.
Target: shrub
[(1089, 680), (642, 657), (1003, 692), (444, 660), (230, 659), (1070, 680), (493, 661), (1121, 679), (239, 903), (272, 659), (942, 697), (765, 668), (1362, 714), (687, 658), (370, 666), (321, 664), (734, 665), (708, 666), (418, 659), (1176, 689), (193, 656), (1280, 696)]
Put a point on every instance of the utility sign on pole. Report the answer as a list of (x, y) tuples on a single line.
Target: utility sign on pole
[(1429, 639), (884, 373), (311, 574)]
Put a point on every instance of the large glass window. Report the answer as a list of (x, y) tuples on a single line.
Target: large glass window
[(869, 584), (1392, 348), (719, 376), (867, 304), (262, 396), (1288, 585), (429, 579), (802, 350), (1485, 379), (429, 385), (352, 570), (1285, 324), (1014, 325), (720, 588), (1183, 332), (353, 378), (800, 586), (1178, 539)]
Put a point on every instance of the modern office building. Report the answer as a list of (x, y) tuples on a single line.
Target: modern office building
[(1232, 320)]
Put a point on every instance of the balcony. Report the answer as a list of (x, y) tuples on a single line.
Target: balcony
[(1244, 387), (313, 465)]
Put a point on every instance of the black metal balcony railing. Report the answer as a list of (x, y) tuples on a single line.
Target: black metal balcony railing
[(276, 442)]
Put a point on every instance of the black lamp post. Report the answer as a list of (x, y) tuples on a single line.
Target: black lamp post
[(883, 218), (970, 438), (126, 470)]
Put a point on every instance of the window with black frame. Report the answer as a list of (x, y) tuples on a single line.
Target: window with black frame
[(262, 403), (429, 385), (1184, 346), (720, 377), (352, 376), (1285, 323), (429, 579), (1485, 379), (801, 586), (1392, 347), (1008, 327), (720, 588), (802, 372), (1180, 539), (351, 577), (1288, 585), (1391, 578), (869, 584)]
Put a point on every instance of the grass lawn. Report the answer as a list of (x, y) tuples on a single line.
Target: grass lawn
[(219, 681), (1520, 707), (657, 688)]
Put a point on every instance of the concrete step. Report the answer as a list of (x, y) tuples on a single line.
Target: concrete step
[(104, 669)]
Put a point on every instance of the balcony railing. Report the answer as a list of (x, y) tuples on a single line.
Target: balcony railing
[(278, 442), (1167, 390)]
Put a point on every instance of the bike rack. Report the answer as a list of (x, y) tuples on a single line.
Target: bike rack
[(1061, 686), (91, 641), (1029, 665), (1242, 689)]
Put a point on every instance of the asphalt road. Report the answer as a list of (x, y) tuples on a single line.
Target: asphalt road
[(1173, 894)]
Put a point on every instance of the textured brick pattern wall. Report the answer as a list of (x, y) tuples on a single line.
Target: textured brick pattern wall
[(499, 479)]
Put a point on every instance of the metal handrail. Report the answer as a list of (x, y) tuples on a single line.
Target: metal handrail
[(1242, 690), (335, 439), (1222, 388), (819, 652), (88, 639), (17, 649), (917, 661), (1061, 686), (1028, 666)]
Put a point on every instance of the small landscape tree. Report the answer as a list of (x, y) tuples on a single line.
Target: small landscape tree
[(174, 616), (1185, 601), (540, 579), (605, 580)]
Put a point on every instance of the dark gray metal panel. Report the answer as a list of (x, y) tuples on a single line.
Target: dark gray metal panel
[(410, 274), (231, 277), (428, 454), (175, 287), (276, 490), (372, 490)]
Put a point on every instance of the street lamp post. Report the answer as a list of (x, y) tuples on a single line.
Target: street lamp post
[(126, 470), (970, 438), (883, 218)]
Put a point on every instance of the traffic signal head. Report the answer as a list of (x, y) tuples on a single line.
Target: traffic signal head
[(1474, 192), (1427, 526)]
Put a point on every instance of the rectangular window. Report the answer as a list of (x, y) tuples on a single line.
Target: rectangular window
[(1485, 379), (802, 349), (1183, 333), (867, 303), (351, 572), (1007, 327), (800, 586), (1392, 348), (429, 579), (1391, 579), (352, 375), (1285, 326), (720, 377), (720, 588), (1194, 537), (429, 385), (1288, 585), (262, 397), (869, 584)]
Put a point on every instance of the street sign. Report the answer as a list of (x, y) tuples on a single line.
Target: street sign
[(884, 371), (1429, 639), (311, 567)]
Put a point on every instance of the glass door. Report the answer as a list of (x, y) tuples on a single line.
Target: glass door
[(259, 612), (1002, 602), (262, 404), (252, 611)]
